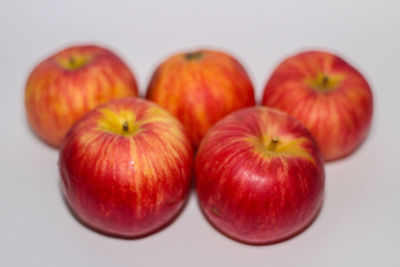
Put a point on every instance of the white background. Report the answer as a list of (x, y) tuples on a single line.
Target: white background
[(360, 220)]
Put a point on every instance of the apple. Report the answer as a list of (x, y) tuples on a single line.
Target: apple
[(329, 96), (200, 88), (71, 82), (126, 167), (259, 176)]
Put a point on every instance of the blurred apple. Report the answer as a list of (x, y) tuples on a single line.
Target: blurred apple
[(328, 95), (68, 84), (200, 88)]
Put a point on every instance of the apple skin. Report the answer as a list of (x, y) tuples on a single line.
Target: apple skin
[(337, 110), (68, 84), (126, 182), (255, 193), (200, 88)]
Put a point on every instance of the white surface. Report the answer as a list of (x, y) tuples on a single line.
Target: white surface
[(360, 220)]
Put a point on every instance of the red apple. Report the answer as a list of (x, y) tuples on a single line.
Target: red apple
[(200, 88), (259, 176), (126, 167), (329, 96), (68, 84)]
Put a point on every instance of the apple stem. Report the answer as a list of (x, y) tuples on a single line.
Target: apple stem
[(273, 144), (194, 55), (125, 126), (325, 80), (71, 61)]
